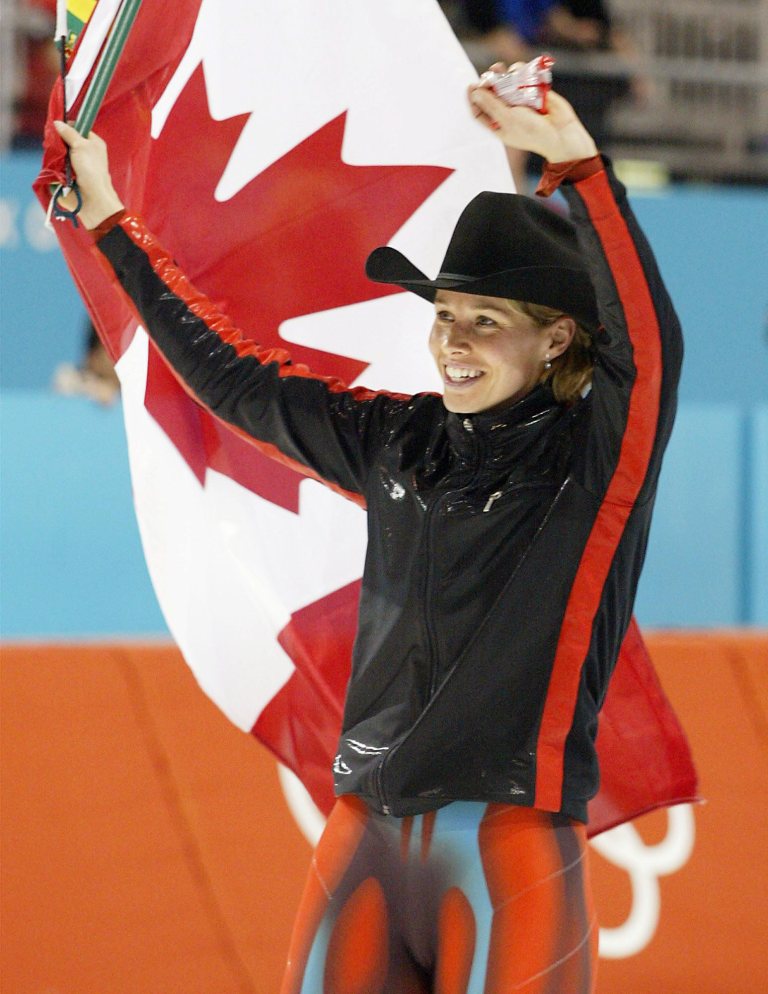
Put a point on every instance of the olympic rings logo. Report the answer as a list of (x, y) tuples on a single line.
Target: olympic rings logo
[(624, 847)]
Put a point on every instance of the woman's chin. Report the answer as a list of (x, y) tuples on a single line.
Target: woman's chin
[(460, 405), (477, 405)]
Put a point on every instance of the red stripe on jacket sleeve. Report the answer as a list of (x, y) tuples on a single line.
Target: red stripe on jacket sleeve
[(217, 322), (628, 477)]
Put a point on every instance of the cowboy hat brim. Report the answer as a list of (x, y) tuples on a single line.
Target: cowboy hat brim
[(564, 288)]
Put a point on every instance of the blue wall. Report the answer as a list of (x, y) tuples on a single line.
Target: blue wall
[(70, 559)]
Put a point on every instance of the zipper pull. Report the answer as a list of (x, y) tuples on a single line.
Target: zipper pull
[(489, 503)]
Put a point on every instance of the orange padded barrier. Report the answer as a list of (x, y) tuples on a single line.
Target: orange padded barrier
[(147, 847)]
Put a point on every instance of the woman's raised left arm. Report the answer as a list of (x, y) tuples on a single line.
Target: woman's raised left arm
[(639, 344)]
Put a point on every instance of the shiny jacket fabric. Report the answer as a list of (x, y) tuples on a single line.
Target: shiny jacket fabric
[(504, 548)]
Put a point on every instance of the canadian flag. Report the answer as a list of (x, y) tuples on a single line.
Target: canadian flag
[(271, 146)]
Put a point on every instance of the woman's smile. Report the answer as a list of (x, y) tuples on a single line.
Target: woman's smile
[(460, 376)]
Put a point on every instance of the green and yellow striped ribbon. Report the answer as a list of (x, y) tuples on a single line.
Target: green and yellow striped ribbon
[(107, 64), (78, 13)]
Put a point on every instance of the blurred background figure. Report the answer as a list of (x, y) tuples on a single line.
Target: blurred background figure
[(29, 64), (93, 377)]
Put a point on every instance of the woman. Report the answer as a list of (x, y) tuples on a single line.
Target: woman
[(507, 526)]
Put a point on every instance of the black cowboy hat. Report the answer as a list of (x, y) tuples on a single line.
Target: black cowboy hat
[(504, 245)]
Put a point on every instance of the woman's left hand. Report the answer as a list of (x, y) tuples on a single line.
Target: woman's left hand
[(557, 136)]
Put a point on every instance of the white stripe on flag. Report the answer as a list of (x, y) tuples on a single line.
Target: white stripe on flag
[(225, 620)]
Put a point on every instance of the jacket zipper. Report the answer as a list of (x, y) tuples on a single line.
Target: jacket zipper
[(379, 784), (489, 503), (430, 647), (431, 636), (433, 654), (432, 643)]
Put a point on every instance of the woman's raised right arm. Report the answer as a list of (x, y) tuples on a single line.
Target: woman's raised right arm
[(316, 422)]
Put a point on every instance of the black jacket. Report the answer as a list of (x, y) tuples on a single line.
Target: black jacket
[(504, 549)]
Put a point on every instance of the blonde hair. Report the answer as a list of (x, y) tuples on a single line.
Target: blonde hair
[(570, 372)]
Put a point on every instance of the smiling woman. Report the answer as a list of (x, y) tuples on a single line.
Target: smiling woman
[(514, 304), (507, 528), (489, 353)]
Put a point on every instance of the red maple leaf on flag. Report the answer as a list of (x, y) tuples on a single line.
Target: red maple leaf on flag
[(292, 242)]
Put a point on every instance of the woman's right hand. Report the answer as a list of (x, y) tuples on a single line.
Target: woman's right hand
[(91, 167)]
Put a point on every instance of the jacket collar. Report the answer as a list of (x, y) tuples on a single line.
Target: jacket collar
[(500, 429)]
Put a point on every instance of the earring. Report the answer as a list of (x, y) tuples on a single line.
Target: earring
[(547, 362)]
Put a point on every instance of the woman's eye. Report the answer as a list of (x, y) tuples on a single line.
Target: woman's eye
[(444, 315), (486, 322)]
